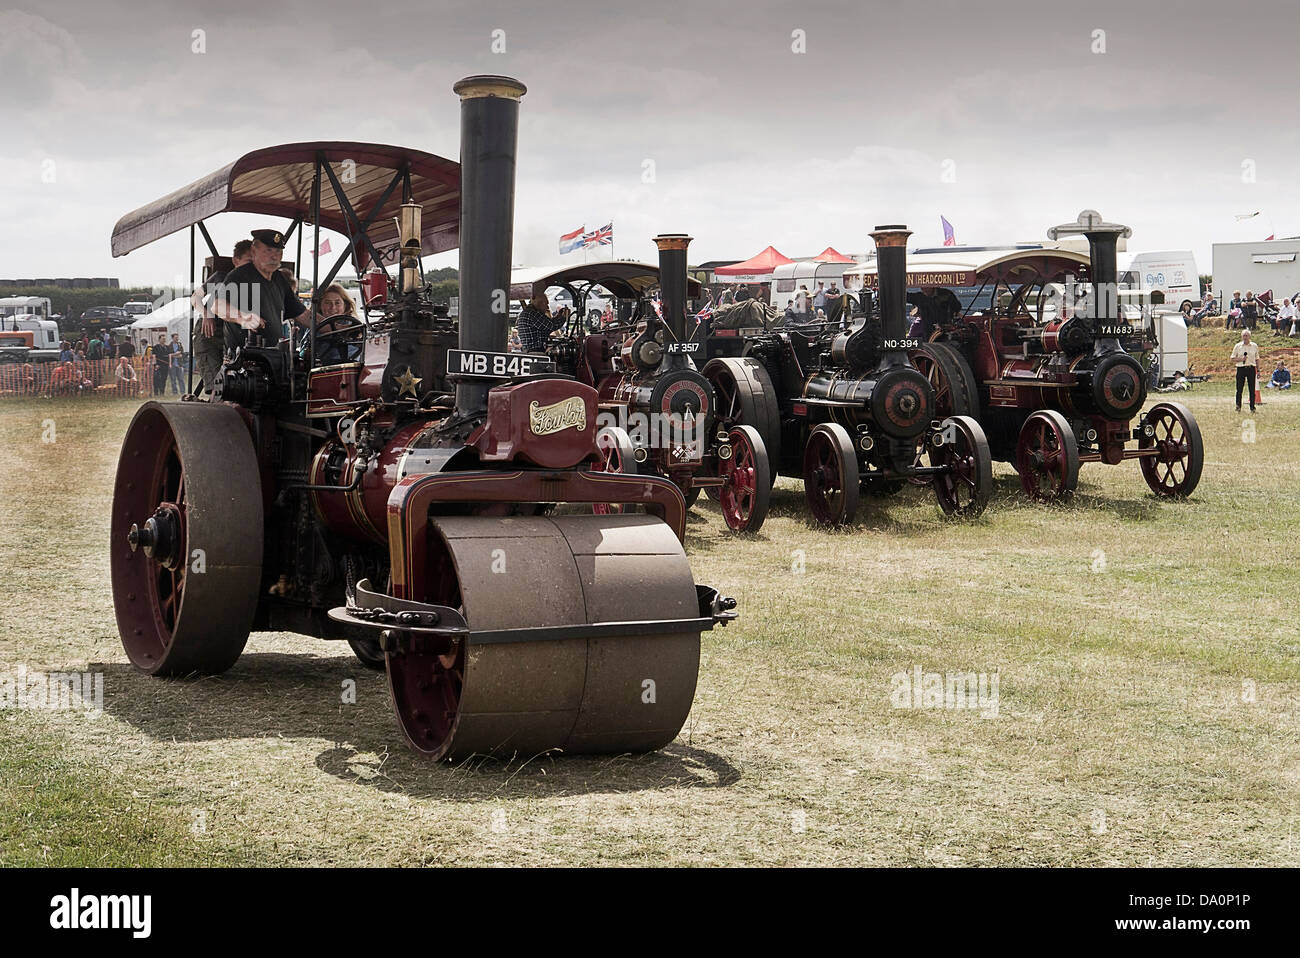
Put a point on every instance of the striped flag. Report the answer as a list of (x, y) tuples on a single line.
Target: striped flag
[(324, 248), (949, 239), (571, 241), (601, 237)]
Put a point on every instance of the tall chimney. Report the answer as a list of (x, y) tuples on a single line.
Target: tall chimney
[(672, 280), (891, 275), (1103, 241), (489, 127)]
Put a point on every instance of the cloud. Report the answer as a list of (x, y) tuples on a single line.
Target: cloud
[(750, 143)]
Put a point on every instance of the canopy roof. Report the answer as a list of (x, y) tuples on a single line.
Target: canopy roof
[(831, 255), (956, 267), (277, 181), (625, 280), (759, 265)]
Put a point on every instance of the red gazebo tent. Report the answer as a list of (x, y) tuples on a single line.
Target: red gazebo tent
[(831, 255), (756, 269)]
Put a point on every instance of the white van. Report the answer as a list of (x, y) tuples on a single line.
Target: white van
[(1172, 272)]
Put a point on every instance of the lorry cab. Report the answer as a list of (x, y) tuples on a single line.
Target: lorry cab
[(45, 332), (1171, 272)]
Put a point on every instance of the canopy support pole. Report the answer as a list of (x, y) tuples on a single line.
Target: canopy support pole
[(212, 247), (189, 386), (315, 257)]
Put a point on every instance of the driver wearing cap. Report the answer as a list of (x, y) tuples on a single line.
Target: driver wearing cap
[(257, 295)]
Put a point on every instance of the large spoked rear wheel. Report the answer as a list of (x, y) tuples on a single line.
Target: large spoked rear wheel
[(830, 475), (585, 693), (1176, 468), (186, 540), (963, 492), (745, 494), (744, 396), (1047, 457)]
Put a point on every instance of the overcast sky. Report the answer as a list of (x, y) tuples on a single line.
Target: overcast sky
[(1002, 116)]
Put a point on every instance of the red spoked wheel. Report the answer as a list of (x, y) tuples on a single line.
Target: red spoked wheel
[(830, 475), (963, 492), (1047, 457), (1176, 468), (955, 390), (745, 494), (186, 538), (744, 396), (615, 448)]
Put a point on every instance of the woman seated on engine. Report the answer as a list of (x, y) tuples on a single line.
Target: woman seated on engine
[(337, 328)]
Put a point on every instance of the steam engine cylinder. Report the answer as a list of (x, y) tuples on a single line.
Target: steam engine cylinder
[(899, 399)]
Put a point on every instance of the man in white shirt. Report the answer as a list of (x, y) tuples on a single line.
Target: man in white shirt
[(1286, 318), (1246, 355)]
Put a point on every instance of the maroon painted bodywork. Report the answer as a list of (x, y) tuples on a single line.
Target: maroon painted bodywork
[(546, 422)]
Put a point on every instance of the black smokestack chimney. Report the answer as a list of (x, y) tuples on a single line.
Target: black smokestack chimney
[(489, 127), (1103, 242), (891, 277), (672, 280)]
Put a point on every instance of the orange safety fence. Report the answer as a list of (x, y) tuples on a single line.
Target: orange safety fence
[(82, 377)]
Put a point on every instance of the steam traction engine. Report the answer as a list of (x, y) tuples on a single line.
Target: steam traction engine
[(846, 410), (400, 505), (1065, 391), (678, 431)]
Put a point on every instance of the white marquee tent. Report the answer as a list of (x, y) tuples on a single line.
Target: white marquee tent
[(174, 317)]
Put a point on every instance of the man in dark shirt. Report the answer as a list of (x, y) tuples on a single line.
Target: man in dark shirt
[(257, 296), (535, 324), (209, 335), (162, 360)]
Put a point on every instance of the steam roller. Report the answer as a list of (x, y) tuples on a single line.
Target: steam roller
[(402, 501)]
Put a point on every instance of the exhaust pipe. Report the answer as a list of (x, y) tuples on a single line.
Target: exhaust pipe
[(489, 133), (891, 281), (1103, 240), (672, 281)]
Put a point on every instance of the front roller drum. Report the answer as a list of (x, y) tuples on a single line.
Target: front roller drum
[(186, 538), (586, 694)]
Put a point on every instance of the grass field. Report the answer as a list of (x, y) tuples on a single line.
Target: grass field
[(1146, 654)]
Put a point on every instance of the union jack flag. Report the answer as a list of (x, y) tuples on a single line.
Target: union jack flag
[(601, 237)]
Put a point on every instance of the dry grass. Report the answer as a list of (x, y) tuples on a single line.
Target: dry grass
[(1121, 736)]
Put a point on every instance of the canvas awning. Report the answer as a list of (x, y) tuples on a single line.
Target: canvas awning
[(277, 181), (625, 280), (831, 255), (957, 267), (756, 269)]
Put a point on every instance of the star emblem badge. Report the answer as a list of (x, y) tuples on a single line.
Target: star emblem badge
[(408, 383)]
